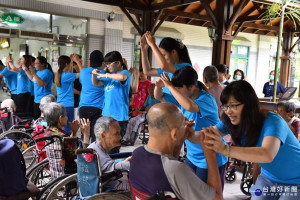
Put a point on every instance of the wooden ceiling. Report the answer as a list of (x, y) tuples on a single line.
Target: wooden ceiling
[(199, 13)]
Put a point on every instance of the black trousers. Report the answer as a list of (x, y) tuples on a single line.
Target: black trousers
[(23, 104), (36, 111), (91, 113)]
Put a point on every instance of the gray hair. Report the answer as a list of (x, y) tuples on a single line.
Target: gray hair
[(52, 112), (46, 100), (103, 124), (211, 73), (8, 103)]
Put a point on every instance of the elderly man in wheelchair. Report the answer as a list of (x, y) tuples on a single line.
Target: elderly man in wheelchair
[(154, 168), (107, 132)]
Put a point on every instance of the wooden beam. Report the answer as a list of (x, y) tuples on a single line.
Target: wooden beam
[(248, 12), (156, 19), (168, 4), (238, 29), (132, 20), (252, 18), (261, 26), (236, 13), (209, 11), (159, 23), (291, 49), (120, 3), (186, 15), (201, 8)]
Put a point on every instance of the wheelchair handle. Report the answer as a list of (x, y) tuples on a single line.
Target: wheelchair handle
[(51, 138), (87, 150), (5, 109)]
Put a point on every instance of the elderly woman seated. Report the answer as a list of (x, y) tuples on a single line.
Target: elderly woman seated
[(56, 118), (107, 132)]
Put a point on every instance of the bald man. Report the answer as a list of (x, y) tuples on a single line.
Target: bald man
[(155, 168)]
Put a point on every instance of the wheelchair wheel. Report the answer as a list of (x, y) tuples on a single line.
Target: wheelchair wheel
[(21, 138), (246, 185), (108, 196), (230, 176), (30, 156), (47, 189), (40, 174), (65, 189)]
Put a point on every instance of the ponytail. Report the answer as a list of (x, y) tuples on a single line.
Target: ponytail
[(50, 69), (184, 55), (62, 63)]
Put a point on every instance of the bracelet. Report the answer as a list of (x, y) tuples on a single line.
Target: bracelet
[(106, 75), (228, 150)]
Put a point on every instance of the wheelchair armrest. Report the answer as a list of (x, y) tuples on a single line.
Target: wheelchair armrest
[(120, 155), (114, 175)]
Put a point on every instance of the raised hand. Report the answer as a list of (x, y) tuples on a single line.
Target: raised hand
[(165, 78), (150, 39), (159, 83), (143, 43), (213, 140)]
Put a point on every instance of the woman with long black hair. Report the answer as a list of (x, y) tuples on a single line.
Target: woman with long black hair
[(64, 81), (42, 78), (261, 137), (116, 88)]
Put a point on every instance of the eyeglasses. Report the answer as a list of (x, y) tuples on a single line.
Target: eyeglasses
[(109, 63), (231, 107)]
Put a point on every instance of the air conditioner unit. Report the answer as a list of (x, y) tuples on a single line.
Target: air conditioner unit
[(36, 35), (5, 32)]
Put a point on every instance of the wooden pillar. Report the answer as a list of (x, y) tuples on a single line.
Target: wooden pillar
[(222, 44), (286, 60)]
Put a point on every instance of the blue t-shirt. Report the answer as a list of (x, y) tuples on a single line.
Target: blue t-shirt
[(207, 116), (92, 96), (23, 82), (40, 92), (10, 78), (65, 93), (269, 89), (178, 66), (150, 101), (285, 166), (116, 101)]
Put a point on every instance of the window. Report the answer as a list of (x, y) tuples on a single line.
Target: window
[(239, 58)]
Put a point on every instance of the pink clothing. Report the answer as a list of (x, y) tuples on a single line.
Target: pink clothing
[(216, 92), (141, 95)]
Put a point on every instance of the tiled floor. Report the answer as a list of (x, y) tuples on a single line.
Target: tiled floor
[(231, 190)]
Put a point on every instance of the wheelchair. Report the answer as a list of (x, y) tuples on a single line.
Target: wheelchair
[(89, 180)]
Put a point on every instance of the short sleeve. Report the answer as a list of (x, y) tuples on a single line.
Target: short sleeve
[(146, 104), (171, 99), (7, 73), (222, 127), (160, 71), (185, 182), (275, 126), (206, 106), (45, 76), (69, 77)]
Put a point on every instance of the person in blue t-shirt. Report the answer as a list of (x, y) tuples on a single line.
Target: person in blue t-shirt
[(171, 55), (91, 97), (64, 80), (42, 78), (10, 79), (23, 83), (116, 88), (192, 97), (269, 87), (261, 137)]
